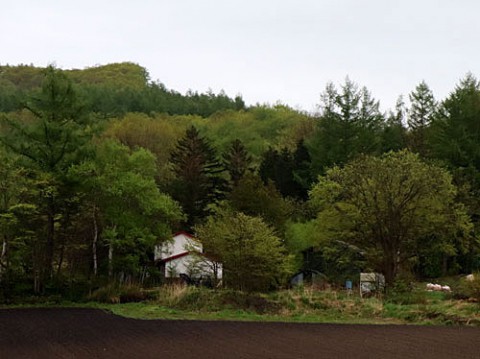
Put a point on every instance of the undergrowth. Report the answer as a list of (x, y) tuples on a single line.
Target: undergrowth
[(413, 306)]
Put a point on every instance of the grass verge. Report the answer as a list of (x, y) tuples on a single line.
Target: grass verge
[(299, 305)]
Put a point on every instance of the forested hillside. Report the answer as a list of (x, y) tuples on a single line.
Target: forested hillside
[(99, 165)]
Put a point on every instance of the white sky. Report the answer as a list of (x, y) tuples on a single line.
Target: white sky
[(266, 50)]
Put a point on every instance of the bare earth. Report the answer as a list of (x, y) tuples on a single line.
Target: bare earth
[(89, 333)]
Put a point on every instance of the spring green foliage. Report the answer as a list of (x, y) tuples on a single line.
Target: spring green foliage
[(158, 135), (254, 198), (51, 142), (299, 305), (253, 256), (129, 210), (390, 207), (114, 90), (99, 165)]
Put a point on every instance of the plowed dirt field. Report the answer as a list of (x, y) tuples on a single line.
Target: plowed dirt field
[(89, 333)]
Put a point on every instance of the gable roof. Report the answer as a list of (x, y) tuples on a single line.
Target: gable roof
[(183, 243), (184, 233), (180, 255)]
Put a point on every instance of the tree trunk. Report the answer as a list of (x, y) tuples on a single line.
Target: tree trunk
[(94, 243), (110, 254), (110, 260), (3, 258), (50, 245), (60, 261), (390, 268)]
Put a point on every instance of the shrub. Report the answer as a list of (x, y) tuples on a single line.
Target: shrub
[(473, 287), (114, 293)]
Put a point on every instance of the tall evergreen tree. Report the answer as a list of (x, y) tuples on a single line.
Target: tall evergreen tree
[(350, 124), (237, 161), (50, 144), (420, 116), (290, 172), (278, 167), (454, 139), (302, 170), (456, 129), (268, 165), (198, 181), (394, 132)]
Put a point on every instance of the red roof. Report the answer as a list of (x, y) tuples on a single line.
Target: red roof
[(180, 255), (185, 234)]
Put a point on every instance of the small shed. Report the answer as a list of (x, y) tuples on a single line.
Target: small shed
[(183, 257), (309, 277), (371, 283)]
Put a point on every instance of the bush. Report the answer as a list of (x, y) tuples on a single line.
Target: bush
[(404, 292), (202, 299), (473, 287), (114, 293)]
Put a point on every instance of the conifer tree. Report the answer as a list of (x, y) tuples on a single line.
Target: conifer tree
[(394, 132), (198, 181), (350, 124), (49, 145), (420, 116), (302, 172), (237, 161)]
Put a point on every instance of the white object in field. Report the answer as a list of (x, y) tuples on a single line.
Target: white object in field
[(371, 282), (470, 277), (438, 288)]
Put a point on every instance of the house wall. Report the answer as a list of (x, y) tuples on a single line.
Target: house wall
[(179, 244), (191, 265)]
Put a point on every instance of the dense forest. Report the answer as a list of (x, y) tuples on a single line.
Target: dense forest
[(100, 165)]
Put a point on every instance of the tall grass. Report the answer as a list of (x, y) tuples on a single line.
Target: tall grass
[(415, 306)]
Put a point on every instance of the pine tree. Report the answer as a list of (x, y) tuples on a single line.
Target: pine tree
[(394, 131), (302, 171), (267, 170), (290, 172), (350, 124), (420, 116), (50, 144), (198, 180), (237, 161)]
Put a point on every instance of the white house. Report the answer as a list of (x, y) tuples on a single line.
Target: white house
[(184, 255)]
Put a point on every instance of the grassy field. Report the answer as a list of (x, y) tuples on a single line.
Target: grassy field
[(303, 305), (297, 305)]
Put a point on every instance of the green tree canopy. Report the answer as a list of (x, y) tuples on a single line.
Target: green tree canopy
[(54, 138), (254, 198), (387, 207), (253, 257), (127, 211)]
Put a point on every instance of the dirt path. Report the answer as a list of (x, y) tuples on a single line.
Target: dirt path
[(88, 333)]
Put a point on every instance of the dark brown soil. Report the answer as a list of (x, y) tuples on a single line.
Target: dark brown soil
[(88, 333)]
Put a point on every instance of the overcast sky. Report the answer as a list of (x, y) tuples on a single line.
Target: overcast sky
[(265, 50)]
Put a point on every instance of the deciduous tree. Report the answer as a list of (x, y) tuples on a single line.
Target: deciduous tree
[(252, 255), (387, 207)]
